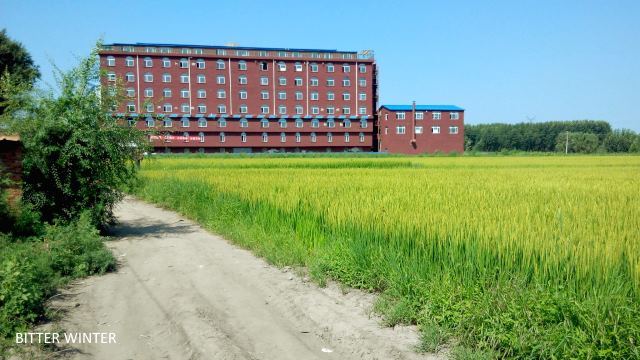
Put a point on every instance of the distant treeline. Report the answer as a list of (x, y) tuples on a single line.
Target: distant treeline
[(581, 136)]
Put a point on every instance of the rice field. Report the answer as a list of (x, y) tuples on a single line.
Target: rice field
[(522, 257)]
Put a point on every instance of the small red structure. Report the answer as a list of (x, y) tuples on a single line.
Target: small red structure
[(11, 156)]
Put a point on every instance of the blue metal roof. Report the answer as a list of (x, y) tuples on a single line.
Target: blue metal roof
[(422, 107), (228, 47)]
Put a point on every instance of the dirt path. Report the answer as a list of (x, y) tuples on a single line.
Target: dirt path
[(183, 293)]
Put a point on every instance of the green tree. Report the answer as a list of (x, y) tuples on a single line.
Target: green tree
[(579, 142), (16, 67), (78, 155), (619, 140)]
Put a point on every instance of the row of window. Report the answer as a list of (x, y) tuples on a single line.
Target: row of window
[(244, 109), (264, 95), (264, 123), (265, 137), (435, 115), (242, 79), (129, 61), (241, 52), (400, 130)]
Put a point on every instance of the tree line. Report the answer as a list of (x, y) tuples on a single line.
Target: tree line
[(577, 136)]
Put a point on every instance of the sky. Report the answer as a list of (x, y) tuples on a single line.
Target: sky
[(503, 61)]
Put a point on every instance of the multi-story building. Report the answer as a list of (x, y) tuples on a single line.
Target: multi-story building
[(246, 99), (417, 129)]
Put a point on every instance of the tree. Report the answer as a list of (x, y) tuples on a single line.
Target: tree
[(579, 142), (78, 155), (619, 140), (16, 67)]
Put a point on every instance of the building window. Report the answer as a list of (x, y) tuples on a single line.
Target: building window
[(167, 138), (331, 110), (298, 81), (454, 116), (222, 94), (298, 67), (264, 123), (201, 137), (264, 95), (299, 95), (419, 115), (130, 77), (131, 92), (362, 68), (346, 110), (242, 65), (185, 51), (148, 92), (264, 66), (202, 122), (185, 108), (314, 95), (148, 62), (331, 96), (453, 129), (244, 123), (346, 123), (283, 123), (347, 137), (362, 111), (185, 122), (131, 107), (400, 116), (346, 96), (330, 68), (244, 109), (315, 123), (242, 79), (436, 115), (346, 82), (346, 68), (282, 95), (362, 96), (362, 82), (167, 108), (314, 67), (111, 76), (167, 123), (264, 80), (283, 137), (184, 78), (435, 129), (184, 93), (202, 79), (315, 110), (364, 124), (282, 81), (298, 137), (313, 81), (150, 122), (265, 137), (331, 82), (331, 123), (329, 137), (243, 94), (299, 123), (128, 61), (282, 66), (222, 123), (111, 61), (202, 109), (222, 109), (400, 130), (166, 93), (166, 63), (202, 94), (184, 63), (418, 129), (200, 64), (221, 52), (299, 109), (313, 137), (361, 136), (264, 109), (223, 138), (166, 78), (220, 64)]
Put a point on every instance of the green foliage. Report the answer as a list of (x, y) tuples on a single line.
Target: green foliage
[(16, 67), (528, 136), (579, 142), (77, 154), (620, 141)]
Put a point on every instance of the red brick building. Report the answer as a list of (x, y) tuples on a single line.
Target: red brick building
[(246, 99), (418, 129)]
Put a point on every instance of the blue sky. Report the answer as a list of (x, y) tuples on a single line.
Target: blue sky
[(503, 61)]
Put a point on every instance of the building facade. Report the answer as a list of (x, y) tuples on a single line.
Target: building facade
[(418, 129), (246, 99)]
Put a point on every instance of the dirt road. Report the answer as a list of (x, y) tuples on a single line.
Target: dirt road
[(183, 293)]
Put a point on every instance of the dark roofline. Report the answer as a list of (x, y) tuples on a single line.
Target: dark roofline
[(409, 107), (229, 47)]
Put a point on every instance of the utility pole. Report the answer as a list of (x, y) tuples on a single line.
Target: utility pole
[(566, 144)]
